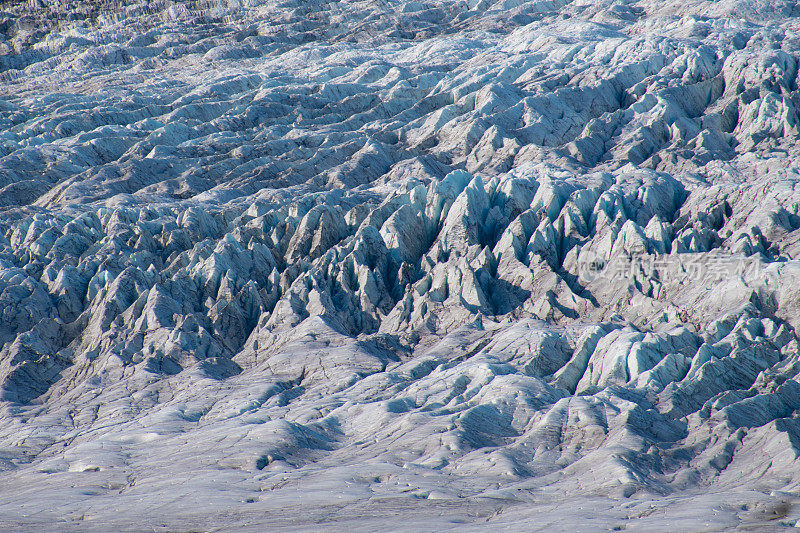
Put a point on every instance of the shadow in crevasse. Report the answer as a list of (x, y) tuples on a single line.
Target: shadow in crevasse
[(219, 367), (574, 285), (564, 310), (506, 297), (31, 379), (791, 426)]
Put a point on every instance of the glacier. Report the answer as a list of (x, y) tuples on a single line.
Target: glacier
[(408, 265)]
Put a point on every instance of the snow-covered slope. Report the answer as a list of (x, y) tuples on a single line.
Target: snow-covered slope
[(400, 265)]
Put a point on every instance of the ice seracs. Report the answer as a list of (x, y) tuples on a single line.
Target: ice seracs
[(261, 260)]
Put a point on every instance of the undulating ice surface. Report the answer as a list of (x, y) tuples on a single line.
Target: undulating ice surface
[(424, 264)]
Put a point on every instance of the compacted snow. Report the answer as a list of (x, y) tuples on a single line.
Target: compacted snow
[(399, 265)]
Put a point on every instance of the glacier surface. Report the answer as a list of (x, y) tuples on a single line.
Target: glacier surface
[(408, 265)]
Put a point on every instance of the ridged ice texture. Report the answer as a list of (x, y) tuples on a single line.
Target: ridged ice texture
[(399, 265)]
